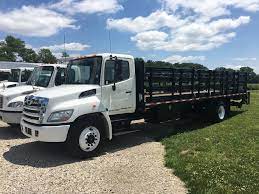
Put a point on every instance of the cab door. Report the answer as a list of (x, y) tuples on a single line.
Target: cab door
[(118, 90)]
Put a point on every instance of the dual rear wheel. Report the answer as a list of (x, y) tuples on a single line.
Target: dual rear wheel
[(221, 111)]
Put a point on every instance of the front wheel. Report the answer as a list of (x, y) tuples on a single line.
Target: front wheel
[(85, 138), (13, 125)]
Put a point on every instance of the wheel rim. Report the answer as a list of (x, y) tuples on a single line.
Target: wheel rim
[(89, 139), (221, 112)]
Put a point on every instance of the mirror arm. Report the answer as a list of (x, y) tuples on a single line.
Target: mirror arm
[(114, 87)]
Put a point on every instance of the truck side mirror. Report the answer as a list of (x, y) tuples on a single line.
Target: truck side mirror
[(114, 86)]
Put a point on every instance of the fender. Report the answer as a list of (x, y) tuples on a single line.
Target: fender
[(83, 107), (108, 120), (16, 99)]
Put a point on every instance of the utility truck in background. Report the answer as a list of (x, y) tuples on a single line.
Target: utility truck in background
[(103, 93), (42, 77), (17, 76)]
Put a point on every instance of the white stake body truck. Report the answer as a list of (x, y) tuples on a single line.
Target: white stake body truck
[(42, 77), (18, 76), (104, 92)]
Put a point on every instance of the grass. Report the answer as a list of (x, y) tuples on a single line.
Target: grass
[(253, 86), (219, 158)]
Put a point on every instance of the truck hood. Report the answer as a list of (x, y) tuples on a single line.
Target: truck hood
[(65, 91), (4, 85), (19, 90)]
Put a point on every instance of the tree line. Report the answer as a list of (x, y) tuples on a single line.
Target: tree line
[(13, 49)]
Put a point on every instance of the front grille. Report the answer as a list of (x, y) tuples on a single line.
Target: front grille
[(29, 110), (31, 113), (33, 108), (1, 101), (31, 117)]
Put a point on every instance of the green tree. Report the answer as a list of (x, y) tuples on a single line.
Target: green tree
[(224, 69), (29, 55), (13, 47), (45, 56), (251, 74), (162, 64), (190, 66), (65, 54), (14, 44), (6, 53)]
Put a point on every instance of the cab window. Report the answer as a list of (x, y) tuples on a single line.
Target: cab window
[(116, 71), (60, 77), (25, 75)]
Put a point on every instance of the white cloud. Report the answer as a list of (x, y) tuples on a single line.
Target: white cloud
[(34, 21), (150, 39), (28, 46), (87, 6), (182, 59), (73, 46), (155, 20), (245, 59), (235, 67), (238, 66), (194, 36), (210, 9), (186, 25)]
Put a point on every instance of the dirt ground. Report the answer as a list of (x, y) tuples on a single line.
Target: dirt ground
[(132, 163)]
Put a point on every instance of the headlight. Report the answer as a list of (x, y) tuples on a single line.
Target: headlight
[(60, 116), (15, 104)]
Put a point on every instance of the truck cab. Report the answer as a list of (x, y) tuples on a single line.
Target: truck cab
[(79, 112), (17, 76), (42, 77)]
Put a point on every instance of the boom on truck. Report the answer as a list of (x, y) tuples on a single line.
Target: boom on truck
[(42, 77), (105, 92)]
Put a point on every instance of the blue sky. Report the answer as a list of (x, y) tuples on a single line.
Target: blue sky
[(214, 33)]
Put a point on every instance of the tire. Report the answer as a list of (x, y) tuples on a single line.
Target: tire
[(220, 112), (85, 138), (13, 125)]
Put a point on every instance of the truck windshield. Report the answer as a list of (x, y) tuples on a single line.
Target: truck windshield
[(41, 76), (14, 76), (84, 71)]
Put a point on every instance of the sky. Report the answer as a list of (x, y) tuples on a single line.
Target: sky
[(211, 32)]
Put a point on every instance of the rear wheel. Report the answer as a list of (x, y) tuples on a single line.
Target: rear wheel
[(221, 111), (85, 138)]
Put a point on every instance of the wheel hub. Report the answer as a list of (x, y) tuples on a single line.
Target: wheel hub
[(89, 139), (221, 112)]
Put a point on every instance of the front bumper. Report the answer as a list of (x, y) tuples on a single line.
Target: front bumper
[(11, 117), (45, 133)]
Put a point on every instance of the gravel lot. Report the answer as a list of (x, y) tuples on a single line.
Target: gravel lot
[(131, 163)]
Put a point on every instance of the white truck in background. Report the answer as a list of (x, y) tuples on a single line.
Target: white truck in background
[(103, 93), (18, 76), (42, 77), (4, 74)]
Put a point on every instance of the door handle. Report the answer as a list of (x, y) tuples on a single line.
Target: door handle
[(128, 92)]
